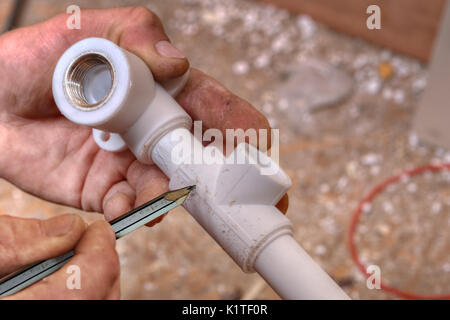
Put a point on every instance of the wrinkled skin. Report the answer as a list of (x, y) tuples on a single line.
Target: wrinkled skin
[(48, 156)]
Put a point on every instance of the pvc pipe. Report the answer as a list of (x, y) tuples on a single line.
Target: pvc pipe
[(293, 274), (256, 235), (98, 84)]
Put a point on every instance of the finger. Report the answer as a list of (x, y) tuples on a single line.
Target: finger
[(146, 38), (149, 182), (283, 204), (119, 200), (98, 263), (136, 29), (26, 241), (205, 99), (104, 172)]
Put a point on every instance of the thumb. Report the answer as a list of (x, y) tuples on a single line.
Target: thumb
[(39, 46), (136, 29), (26, 241)]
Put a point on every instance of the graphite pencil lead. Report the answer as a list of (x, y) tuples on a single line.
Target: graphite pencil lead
[(179, 195)]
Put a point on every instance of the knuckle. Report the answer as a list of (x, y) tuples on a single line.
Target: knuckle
[(60, 18), (8, 255), (8, 243), (143, 15)]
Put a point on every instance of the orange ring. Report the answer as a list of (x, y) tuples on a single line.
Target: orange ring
[(355, 219)]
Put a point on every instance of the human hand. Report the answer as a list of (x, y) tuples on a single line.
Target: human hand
[(45, 154), (27, 241)]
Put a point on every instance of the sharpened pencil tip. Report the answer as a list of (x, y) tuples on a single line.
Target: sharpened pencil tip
[(177, 194)]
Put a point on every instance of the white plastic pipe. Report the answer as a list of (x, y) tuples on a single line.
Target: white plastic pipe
[(255, 234), (96, 83), (297, 275)]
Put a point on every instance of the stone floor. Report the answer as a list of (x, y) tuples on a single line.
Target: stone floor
[(348, 131)]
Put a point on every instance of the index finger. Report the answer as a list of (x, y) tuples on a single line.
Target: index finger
[(207, 100)]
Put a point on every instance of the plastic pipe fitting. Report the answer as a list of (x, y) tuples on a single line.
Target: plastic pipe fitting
[(98, 84)]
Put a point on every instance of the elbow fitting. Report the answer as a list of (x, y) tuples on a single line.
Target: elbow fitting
[(98, 84)]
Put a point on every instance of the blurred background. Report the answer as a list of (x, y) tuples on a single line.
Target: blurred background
[(346, 100)]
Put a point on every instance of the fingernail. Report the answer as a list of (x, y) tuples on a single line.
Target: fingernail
[(58, 226), (166, 49)]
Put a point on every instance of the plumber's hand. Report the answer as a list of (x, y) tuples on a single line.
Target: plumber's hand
[(27, 241), (45, 154)]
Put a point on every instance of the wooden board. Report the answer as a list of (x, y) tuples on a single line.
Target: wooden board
[(432, 118)]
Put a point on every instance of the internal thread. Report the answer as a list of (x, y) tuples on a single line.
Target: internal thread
[(76, 75)]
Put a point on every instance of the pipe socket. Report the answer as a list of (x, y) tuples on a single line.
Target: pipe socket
[(98, 84)]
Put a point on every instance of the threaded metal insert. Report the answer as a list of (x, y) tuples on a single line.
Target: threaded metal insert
[(89, 81)]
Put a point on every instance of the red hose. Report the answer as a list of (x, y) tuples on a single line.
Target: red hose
[(355, 219)]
